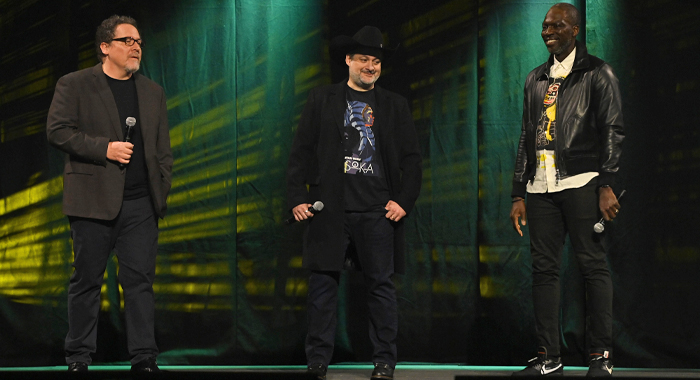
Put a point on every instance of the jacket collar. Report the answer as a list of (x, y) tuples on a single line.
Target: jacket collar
[(581, 61), (107, 97)]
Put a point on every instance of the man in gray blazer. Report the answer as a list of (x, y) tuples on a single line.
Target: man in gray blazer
[(357, 151), (117, 176)]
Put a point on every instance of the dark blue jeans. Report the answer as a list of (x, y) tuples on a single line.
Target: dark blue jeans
[(133, 236), (372, 236), (550, 217)]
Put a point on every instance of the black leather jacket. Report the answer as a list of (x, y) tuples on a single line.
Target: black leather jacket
[(589, 121)]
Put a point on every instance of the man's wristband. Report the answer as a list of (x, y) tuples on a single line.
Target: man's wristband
[(518, 200)]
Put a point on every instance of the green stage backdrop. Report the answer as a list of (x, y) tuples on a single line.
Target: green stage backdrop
[(230, 287)]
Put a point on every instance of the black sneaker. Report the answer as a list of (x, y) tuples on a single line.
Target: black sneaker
[(600, 365), (145, 366), (382, 372), (77, 367), (318, 370), (542, 365)]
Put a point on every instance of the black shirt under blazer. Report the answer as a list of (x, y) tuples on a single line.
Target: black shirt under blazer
[(83, 119), (317, 159)]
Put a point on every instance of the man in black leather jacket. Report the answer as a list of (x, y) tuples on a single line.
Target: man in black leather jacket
[(567, 162)]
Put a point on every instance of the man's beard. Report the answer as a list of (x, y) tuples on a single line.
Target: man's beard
[(130, 69), (357, 79), (562, 48)]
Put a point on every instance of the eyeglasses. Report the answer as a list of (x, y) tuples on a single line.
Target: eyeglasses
[(129, 41)]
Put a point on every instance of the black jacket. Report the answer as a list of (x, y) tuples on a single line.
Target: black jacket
[(589, 121), (316, 160)]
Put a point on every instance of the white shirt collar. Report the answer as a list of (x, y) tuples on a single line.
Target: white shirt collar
[(563, 68)]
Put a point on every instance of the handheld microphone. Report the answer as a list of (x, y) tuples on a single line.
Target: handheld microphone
[(600, 226), (317, 207), (130, 122)]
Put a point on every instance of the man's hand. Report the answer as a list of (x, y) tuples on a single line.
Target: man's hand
[(394, 211), (301, 212), (608, 204), (517, 211), (120, 151)]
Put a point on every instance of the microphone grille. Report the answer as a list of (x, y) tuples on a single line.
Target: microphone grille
[(598, 228), (318, 206), (130, 121)]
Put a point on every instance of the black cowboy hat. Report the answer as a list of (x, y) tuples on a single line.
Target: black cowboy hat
[(368, 40)]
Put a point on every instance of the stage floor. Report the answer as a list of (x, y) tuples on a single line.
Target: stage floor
[(335, 372)]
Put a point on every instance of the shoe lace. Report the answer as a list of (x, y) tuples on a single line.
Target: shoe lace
[(600, 361), (537, 362)]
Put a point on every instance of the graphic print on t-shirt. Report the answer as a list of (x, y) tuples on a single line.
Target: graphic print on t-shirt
[(547, 126), (359, 139)]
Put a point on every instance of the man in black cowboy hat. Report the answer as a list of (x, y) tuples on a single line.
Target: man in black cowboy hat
[(357, 150)]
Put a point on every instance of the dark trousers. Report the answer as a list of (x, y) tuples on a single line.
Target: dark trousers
[(133, 235), (550, 217), (373, 238)]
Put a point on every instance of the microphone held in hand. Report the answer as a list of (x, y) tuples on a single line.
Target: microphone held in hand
[(600, 226), (130, 122), (317, 207)]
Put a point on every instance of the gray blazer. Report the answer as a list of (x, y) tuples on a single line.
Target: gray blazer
[(83, 119)]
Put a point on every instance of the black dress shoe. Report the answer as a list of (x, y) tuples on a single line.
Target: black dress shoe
[(145, 366), (318, 370), (77, 367), (382, 372)]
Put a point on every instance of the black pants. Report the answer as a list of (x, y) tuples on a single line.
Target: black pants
[(133, 235), (551, 216), (373, 238)]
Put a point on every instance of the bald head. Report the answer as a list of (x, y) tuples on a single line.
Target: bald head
[(572, 14)]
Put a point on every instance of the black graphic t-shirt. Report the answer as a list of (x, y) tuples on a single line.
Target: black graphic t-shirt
[(547, 126), (366, 188)]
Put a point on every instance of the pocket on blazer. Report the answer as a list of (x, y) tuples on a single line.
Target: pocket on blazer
[(75, 166)]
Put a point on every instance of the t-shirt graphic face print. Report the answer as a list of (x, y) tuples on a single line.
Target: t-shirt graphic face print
[(366, 188), (547, 126), (360, 145)]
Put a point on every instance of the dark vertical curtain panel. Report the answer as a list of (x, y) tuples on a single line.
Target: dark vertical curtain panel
[(191, 51), (654, 250), (229, 287), (277, 61)]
